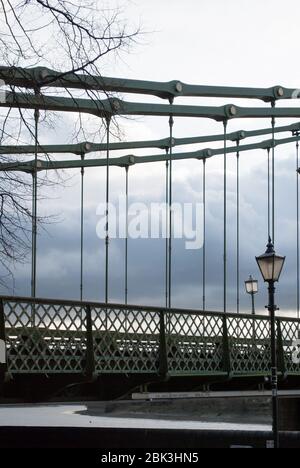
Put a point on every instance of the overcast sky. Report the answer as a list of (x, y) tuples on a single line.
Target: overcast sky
[(214, 42)]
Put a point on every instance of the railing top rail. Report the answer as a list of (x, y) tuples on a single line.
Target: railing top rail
[(94, 304), (77, 303)]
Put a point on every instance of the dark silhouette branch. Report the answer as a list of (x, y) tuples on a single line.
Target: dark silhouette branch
[(70, 37)]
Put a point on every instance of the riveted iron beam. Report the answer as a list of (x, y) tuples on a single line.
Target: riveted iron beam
[(109, 107), (59, 104), (131, 159), (88, 147), (42, 77)]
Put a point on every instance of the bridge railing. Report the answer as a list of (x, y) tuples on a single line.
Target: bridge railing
[(49, 336)]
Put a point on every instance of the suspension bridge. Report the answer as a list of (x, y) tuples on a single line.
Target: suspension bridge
[(83, 341)]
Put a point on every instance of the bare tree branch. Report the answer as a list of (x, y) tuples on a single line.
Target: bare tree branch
[(70, 37)]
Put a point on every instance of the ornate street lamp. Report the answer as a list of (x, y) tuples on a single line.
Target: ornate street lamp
[(251, 287), (271, 266)]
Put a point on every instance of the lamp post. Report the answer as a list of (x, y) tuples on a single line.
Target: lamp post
[(270, 266), (251, 287)]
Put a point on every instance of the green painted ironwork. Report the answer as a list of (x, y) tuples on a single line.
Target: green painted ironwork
[(50, 337), (92, 338), (130, 160), (88, 147), (116, 107), (44, 77), (90, 358)]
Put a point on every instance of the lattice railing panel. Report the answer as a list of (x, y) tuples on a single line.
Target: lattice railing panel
[(45, 338), (126, 340), (290, 341), (53, 337), (249, 344), (194, 343)]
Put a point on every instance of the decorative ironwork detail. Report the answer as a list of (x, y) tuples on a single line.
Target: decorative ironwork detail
[(58, 337), (126, 340), (45, 338), (194, 343)]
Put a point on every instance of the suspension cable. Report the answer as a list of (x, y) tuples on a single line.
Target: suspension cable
[(34, 202), (167, 232), (107, 211), (204, 238), (298, 240), (81, 228), (273, 175), (127, 234), (238, 227), (171, 124), (225, 218), (269, 196)]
